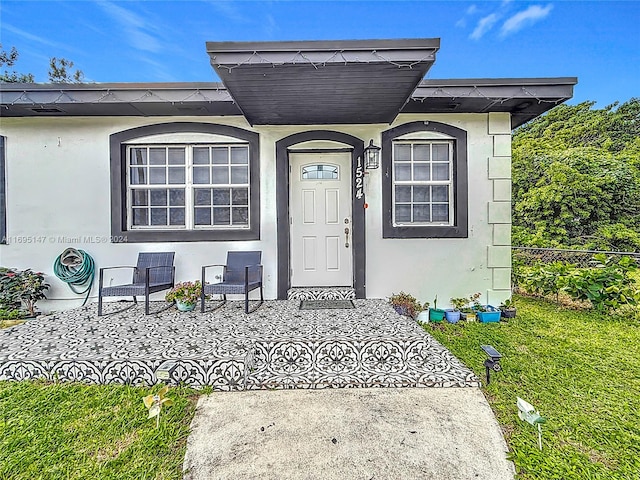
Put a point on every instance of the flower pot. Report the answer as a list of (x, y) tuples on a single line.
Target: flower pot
[(508, 312), (491, 315), (436, 314), (452, 315), (423, 316), (185, 307)]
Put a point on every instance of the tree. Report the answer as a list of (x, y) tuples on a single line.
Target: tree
[(60, 70), (9, 59), (576, 178)]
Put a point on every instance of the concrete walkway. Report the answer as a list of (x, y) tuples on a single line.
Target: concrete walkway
[(375, 433)]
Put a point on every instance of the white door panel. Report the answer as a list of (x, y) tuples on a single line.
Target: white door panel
[(320, 206)]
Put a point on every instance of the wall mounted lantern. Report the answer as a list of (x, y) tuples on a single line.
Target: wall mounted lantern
[(372, 156)]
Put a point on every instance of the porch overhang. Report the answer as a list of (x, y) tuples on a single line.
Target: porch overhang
[(523, 98), (322, 82)]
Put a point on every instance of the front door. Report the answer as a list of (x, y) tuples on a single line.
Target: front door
[(320, 208)]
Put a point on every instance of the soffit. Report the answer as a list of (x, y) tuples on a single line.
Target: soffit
[(322, 82)]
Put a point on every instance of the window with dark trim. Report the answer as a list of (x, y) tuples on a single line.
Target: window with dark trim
[(424, 182), (185, 191)]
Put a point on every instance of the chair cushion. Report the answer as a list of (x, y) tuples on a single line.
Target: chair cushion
[(132, 289), (228, 288)]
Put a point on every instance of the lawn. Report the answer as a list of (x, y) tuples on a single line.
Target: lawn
[(72, 431), (581, 370)]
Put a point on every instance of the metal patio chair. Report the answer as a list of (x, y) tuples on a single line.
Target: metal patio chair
[(153, 273), (241, 274)]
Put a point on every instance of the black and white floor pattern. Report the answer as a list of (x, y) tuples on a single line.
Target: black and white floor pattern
[(277, 346)]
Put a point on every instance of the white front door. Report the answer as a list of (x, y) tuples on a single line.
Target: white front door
[(320, 206)]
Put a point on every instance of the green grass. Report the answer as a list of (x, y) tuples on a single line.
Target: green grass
[(582, 372), (72, 431)]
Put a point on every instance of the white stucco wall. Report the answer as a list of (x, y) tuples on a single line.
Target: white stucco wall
[(58, 190)]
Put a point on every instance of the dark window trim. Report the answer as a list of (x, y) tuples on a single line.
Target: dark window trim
[(282, 205), (459, 229), (3, 194), (119, 184)]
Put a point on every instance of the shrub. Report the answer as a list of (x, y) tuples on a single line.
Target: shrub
[(21, 288), (405, 304), (185, 292)]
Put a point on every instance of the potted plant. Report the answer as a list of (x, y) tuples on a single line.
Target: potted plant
[(405, 304), (185, 294), (508, 308), (485, 313), (436, 314), (32, 289), (454, 314), (423, 316)]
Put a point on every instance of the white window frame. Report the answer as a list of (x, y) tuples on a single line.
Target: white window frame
[(189, 187), (449, 183)]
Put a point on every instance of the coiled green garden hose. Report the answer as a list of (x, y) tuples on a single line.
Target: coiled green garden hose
[(76, 268)]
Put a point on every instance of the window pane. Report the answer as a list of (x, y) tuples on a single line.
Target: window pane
[(240, 215), (403, 213), (441, 171), (440, 193), (421, 213), (158, 197), (158, 216), (220, 155), (176, 216), (203, 216), (421, 153), (201, 175), (240, 155), (176, 197), (240, 196), (138, 156), (420, 193), (421, 171), (201, 155), (220, 175), (157, 156), (176, 175), (203, 196), (239, 175), (402, 152), (221, 216), (138, 176), (139, 197), (402, 172), (140, 216), (157, 176), (176, 156), (403, 194), (221, 196), (440, 153), (440, 213)]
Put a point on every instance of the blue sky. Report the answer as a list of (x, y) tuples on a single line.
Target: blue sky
[(151, 41)]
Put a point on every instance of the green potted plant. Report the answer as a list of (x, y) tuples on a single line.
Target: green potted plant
[(185, 294), (485, 313), (436, 314), (453, 315), (508, 308), (405, 304)]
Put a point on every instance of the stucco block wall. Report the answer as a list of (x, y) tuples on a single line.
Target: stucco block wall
[(58, 193)]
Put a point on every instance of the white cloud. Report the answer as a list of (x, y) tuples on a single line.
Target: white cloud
[(136, 28), (471, 10), (38, 39), (524, 18), (484, 25)]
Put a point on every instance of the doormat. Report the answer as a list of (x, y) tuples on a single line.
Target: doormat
[(326, 304)]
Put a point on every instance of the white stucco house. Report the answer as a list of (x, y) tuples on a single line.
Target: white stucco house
[(273, 159)]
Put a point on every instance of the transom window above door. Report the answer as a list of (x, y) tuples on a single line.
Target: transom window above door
[(320, 172), (188, 187)]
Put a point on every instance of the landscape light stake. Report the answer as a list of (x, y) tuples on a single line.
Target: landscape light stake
[(492, 363), (155, 402), (529, 414)]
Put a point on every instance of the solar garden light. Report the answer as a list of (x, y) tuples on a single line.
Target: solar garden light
[(372, 156), (493, 362), (165, 370)]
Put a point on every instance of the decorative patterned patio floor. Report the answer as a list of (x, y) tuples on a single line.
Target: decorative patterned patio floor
[(278, 346)]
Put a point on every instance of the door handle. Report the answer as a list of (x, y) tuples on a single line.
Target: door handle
[(346, 237)]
